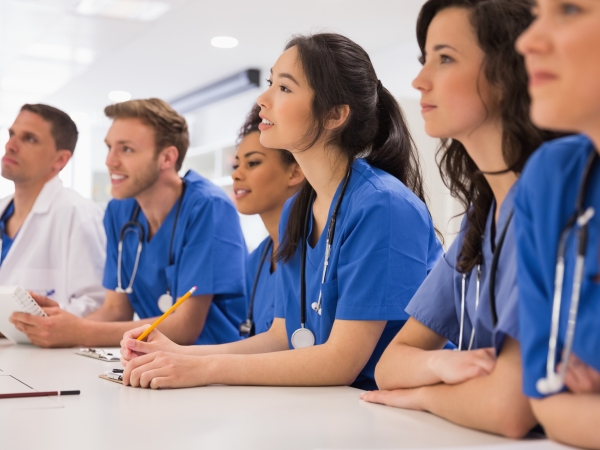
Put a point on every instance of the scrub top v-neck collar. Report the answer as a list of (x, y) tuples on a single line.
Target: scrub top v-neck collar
[(315, 255)]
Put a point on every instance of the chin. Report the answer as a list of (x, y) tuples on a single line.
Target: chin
[(549, 116)]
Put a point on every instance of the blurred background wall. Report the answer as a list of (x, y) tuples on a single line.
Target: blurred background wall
[(81, 55)]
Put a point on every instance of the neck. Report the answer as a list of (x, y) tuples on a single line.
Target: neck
[(271, 221), (594, 135), (157, 201), (324, 169), (26, 193), (485, 148)]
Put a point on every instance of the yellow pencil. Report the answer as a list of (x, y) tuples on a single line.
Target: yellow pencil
[(178, 303)]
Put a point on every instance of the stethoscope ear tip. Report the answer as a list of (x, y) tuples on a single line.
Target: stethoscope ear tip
[(549, 385)]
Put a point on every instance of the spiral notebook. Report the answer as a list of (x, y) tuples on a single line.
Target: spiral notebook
[(13, 299)]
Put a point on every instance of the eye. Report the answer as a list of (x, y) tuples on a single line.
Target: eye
[(253, 163), (282, 88), (235, 166), (127, 149), (421, 60), (445, 59), (269, 82), (569, 9)]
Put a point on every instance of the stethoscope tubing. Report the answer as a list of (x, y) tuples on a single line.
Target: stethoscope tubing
[(247, 327)]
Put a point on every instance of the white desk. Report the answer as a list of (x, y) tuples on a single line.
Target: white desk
[(109, 416)]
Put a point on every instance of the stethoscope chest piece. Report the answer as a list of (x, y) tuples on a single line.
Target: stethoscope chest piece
[(165, 301), (303, 338)]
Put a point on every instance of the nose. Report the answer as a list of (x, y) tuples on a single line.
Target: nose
[(263, 99), (237, 174), (422, 83), (112, 160), (11, 144), (532, 40)]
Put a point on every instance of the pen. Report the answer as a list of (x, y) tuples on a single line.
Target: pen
[(187, 295), (39, 394), (50, 292)]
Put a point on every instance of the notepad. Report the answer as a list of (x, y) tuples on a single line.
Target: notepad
[(13, 299), (103, 354)]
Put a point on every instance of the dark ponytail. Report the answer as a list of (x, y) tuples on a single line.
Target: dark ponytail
[(340, 72), (497, 24)]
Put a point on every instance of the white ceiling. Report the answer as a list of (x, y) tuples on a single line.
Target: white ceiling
[(50, 53)]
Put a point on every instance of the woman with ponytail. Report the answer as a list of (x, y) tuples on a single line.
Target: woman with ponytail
[(356, 241), (474, 96)]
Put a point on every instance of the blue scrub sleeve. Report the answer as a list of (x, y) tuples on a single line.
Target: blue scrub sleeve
[(109, 280), (434, 303), (534, 311), (280, 294), (214, 253), (383, 258)]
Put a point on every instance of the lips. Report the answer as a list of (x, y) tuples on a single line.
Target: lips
[(540, 77), (9, 160), (426, 107), (117, 178), (265, 124), (240, 193)]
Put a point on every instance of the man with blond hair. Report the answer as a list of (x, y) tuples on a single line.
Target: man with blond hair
[(165, 235)]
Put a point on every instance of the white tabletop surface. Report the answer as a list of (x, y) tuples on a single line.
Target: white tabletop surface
[(109, 416)]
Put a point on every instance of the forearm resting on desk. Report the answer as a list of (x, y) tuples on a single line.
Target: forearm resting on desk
[(570, 418)]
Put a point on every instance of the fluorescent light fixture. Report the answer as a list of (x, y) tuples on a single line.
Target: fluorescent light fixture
[(119, 96), (139, 10), (83, 56), (224, 42), (220, 90)]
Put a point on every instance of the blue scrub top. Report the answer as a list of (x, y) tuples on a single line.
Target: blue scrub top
[(7, 241), (544, 203), (264, 299), (437, 303), (208, 252), (384, 247)]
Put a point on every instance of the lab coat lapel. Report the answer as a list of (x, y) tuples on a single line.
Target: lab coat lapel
[(41, 206)]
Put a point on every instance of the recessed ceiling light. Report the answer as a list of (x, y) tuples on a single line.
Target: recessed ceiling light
[(141, 10), (224, 42), (119, 96)]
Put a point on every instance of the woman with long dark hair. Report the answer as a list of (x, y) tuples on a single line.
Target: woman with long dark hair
[(473, 88), (357, 240), (263, 179), (557, 224)]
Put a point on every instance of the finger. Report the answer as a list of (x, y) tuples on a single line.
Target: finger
[(148, 377), (133, 334), (52, 310), (133, 365), (140, 347), (397, 398), (490, 351), (42, 300)]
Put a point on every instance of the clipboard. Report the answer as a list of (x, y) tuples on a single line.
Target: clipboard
[(115, 377), (103, 354)]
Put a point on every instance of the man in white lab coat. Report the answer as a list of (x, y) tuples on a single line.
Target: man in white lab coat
[(52, 239)]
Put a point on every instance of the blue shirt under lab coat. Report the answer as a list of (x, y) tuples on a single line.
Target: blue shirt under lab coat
[(264, 298), (437, 303), (384, 247), (544, 203), (208, 252)]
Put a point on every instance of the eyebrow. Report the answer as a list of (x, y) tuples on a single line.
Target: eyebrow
[(439, 47), (250, 154), (288, 76), (122, 142)]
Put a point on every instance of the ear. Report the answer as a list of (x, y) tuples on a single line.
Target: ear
[(296, 176), (337, 117), (62, 159), (169, 157)]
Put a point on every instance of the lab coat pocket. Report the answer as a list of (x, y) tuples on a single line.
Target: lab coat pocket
[(329, 290), (40, 281)]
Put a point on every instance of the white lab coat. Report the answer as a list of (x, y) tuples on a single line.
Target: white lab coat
[(60, 247)]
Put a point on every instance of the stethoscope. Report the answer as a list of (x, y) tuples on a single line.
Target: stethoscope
[(165, 301), (555, 381), (492, 288), (303, 337), (247, 327)]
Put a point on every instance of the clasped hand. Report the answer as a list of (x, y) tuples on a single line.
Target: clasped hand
[(450, 367)]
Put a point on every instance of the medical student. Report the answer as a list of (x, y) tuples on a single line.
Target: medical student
[(52, 239), (557, 222), (263, 179), (165, 235), (363, 197), (473, 88)]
